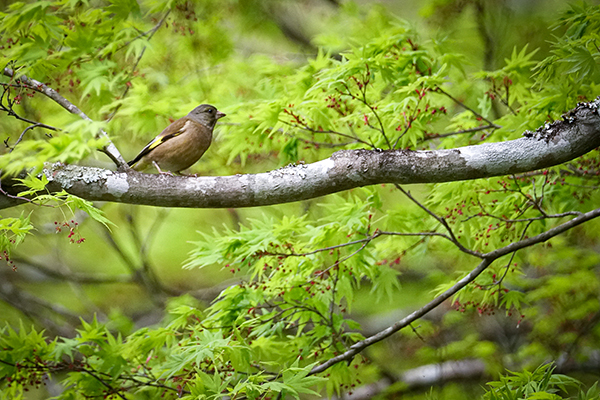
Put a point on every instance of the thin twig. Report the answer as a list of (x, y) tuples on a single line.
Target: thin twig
[(127, 87), (460, 132), (410, 120), (368, 239), (439, 89), (110, 150), (12, 113), (20, 138), (363, 99), (512, 256), (312, 130), (442, 221), (112, 389)]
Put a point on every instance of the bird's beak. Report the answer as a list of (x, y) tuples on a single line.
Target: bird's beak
[(220, 114)]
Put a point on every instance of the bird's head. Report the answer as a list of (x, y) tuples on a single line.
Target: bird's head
[(206, 115)]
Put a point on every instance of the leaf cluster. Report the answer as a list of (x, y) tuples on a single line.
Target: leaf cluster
[(299, 275)]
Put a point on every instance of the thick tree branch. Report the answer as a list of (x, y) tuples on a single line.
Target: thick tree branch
[(552, 144)]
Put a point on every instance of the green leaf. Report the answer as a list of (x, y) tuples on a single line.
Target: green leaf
[(88, 207)]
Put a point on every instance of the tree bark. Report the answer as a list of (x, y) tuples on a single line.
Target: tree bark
[(552, 144)]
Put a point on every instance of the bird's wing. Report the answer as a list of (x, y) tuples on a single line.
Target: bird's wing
[(176, 129)]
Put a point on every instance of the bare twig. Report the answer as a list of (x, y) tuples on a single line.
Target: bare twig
[(493, 125), (517, 220), (363, 241), (112, 390), (512, 256), (8, 108), (362, 88), (149, 33), (459, 132), (442, 221), (25, 131), (410, 120), (110, 150), (12, 113), (331, 132), (487, 260)]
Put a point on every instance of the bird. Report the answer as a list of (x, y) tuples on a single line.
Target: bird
[(180, 144)]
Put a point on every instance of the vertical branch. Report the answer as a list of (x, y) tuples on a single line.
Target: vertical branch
[(363, 89), (127, 87), (488, 42)]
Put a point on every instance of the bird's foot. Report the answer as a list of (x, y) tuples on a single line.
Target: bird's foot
[(160, 171)]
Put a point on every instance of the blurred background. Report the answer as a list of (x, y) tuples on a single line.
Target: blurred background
[(72, 267)]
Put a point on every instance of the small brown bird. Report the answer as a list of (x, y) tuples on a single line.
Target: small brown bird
[(180, 144)]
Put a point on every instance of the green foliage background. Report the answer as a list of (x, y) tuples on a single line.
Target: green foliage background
[(266, 294)]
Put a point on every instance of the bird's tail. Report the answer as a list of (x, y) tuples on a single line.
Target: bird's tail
[(134, 161)]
